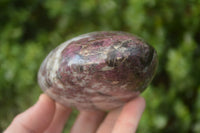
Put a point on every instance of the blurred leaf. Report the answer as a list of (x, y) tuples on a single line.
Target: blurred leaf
[(31, 29)]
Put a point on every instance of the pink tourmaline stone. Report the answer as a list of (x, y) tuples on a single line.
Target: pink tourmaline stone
[(99, 70)]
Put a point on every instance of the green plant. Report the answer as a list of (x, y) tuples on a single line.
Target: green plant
[(30, 29)]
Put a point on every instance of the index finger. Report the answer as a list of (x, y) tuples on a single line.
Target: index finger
[(34, 120)]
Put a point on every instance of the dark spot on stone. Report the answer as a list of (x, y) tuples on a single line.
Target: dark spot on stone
[(81, 68), (137, 74), (103, 94), (150, 56), (48, 83), (125, 43), (70, 82), (116, 43), (98, 43), (146, 61), (92, 68), (111, 59)]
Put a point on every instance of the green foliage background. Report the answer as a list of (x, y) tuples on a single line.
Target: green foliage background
[(30, 29)]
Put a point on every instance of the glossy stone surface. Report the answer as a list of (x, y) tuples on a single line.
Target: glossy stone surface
[(99, 70)]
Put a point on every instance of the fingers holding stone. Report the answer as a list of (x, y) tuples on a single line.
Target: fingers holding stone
[(88, 121), (36, 119), (60, 117)]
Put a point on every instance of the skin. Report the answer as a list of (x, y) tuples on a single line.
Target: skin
[(46, 116)]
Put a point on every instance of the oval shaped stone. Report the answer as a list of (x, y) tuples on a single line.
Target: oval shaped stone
[(99, 70)]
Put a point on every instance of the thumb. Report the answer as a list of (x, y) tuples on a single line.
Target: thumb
[(34, 120)]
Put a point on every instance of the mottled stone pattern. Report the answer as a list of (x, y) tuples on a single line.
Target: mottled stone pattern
[(99, 70)]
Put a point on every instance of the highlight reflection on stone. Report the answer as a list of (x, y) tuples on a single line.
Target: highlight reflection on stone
[(99, 70)]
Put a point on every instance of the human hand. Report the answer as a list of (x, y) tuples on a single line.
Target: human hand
[(46, 116)]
